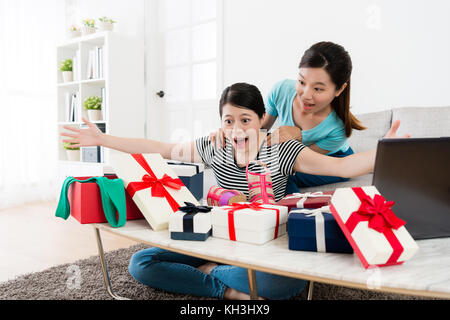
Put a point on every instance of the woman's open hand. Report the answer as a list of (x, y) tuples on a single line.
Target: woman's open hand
[(392, 133), (91, 136)]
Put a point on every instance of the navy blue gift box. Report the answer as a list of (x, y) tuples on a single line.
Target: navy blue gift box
[(302, 232), (191, 174)]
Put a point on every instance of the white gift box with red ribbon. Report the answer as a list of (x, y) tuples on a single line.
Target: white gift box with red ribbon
[(153, 186), (249, 222), (376, 234)]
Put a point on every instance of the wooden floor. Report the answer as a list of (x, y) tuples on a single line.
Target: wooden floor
[(33, 239)]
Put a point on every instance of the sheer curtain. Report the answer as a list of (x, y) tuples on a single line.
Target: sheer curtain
[(28, 141)]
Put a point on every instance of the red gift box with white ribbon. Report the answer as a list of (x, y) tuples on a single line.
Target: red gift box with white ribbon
[(376, 234)]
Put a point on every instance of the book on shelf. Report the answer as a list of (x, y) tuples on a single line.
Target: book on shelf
[(104, 102), (71, 105), (94, 153), (95, 63), (75, 64), (100, 62)]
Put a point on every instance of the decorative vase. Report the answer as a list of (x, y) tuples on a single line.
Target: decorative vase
[(106, 26), (67, 76), (85, 30), (94, 115), (73, 155)]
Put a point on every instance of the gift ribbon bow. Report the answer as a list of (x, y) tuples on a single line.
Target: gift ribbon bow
[(158, 186), (191, 210), (305, 196), (377, 211), (255, 206), (320, 224)]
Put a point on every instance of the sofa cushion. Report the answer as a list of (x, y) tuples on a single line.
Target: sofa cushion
[(377, 123), (422, 122)]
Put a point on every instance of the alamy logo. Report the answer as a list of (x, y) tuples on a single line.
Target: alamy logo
[(373, 21), (74, 277), (374, 279)]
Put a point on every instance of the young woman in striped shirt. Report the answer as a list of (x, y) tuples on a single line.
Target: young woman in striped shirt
[(242, 114)]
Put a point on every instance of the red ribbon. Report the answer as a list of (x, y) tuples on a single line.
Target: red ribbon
[(381, 218), (158, 185), (254, 206)]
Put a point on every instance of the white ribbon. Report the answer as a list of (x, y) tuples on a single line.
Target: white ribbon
[(320, 224), (305, 196)]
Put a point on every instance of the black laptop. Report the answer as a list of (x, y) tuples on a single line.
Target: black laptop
[(415, 173)]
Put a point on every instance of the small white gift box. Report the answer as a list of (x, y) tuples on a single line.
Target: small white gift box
[(153, 186), (249, 222), (190, 223), (377, 236)]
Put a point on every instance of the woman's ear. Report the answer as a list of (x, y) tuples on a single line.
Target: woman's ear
[(341, 89), (263, 118)]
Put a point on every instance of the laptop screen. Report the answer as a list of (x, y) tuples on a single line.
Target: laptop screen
[(415, 173)]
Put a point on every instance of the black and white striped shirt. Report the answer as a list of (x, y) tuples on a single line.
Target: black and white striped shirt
[(279, 158)]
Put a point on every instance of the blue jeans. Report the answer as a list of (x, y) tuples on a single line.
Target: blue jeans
[(174, 272), (304, 180)]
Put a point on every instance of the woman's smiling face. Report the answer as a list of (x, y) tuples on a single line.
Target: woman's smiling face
[(241, 126), (315, 90)]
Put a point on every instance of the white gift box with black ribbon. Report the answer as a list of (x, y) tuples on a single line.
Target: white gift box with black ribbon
[(190, 222)]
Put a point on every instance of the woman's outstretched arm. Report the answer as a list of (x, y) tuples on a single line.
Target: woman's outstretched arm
[(92, 136), (354, 165)]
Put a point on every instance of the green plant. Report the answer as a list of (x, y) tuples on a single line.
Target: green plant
[(67, 146), (89, 22), (66, 65), (106, 19), (93, 103), (73, 28)]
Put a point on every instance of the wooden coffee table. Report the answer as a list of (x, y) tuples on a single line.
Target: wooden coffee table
[(426, 274)]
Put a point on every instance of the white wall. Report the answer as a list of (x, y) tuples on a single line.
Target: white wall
[(400, 49)]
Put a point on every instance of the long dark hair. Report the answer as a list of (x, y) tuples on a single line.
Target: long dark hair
[(243, 95), (335, 60)]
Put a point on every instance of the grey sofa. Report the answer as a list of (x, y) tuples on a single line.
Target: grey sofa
[(419, 122)]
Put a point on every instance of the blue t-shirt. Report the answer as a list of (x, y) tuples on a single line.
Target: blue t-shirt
[(328, 135)]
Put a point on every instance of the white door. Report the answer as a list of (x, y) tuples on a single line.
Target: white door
[(183, 58)]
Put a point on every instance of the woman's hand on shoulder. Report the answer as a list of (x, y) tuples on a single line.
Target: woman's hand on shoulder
[(283, 134), (92, 136), (218, 138)]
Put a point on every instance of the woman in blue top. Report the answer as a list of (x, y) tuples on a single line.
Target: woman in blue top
[(315, 108)]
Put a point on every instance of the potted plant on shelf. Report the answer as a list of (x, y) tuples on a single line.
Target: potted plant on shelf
[(93, 105), (73, 154), (106, 24), (66, 70), (73, 32), (88, 26)]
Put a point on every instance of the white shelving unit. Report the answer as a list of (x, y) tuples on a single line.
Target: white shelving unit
[(122, 78)]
